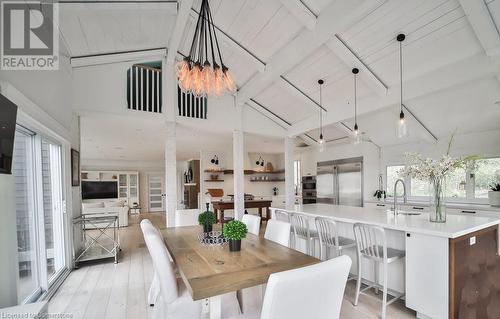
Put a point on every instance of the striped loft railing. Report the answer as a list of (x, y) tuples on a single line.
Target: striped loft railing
[(144, 88), (144, 93)]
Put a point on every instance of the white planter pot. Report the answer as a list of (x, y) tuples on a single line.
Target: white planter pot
[(494, 198)]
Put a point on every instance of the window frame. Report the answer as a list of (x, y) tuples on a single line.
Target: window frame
[(469, 187), (47, 286)]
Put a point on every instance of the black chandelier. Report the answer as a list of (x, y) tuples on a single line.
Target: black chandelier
[(203, 72)]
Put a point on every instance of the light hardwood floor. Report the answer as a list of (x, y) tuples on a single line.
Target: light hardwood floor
[(106, 290)]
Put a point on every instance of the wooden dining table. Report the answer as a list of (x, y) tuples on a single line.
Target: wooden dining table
[(209, 272)]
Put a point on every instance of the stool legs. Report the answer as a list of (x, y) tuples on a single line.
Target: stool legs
[(358, 282), (384, 297)]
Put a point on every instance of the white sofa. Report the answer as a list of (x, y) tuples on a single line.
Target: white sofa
[(105, 208)]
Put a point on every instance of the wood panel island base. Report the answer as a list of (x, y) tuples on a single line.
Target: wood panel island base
[(451, 270)]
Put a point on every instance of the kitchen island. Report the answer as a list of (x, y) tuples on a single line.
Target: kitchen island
[(445, 263)]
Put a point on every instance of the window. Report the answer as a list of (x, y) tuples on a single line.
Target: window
[(296, 176), (486, 173), (37, 171), (22, 170), (455, 185), (392, 177)]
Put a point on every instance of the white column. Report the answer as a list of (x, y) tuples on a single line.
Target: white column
[(170, 173), (169, 109), (239, 176), (289, 183)]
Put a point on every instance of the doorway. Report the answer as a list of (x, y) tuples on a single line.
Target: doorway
[(155, 191)]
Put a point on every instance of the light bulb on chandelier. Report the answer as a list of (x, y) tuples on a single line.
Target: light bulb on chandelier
[(213, 77)]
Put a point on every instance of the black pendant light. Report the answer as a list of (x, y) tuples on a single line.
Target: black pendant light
[(402, 125), (321, 141), (356, 136)]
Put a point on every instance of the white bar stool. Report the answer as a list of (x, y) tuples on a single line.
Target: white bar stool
[(329, 238), (301, 230), (371, 243)]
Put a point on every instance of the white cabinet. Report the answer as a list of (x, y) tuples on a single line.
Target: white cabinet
[(427, 274), (128, 183)]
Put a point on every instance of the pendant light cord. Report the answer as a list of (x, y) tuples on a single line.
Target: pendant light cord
[(321, 110), (355, 102), (401, 73)]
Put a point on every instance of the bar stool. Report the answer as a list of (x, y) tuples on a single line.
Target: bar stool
[(371, 243), (281, 215), (301, 230), (329, 238)]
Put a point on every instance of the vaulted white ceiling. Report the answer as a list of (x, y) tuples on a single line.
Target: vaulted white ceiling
[(277, 58)]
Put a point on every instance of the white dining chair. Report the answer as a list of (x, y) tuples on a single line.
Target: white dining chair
[(252, 222), (330, 239), (174, 300), (302, 230), (278, 231), (310, 292), (371, 243)]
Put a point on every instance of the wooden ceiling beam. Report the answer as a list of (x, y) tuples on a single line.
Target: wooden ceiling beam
[(337, 17), (181, 20), (464, 71), (300, 11), (483, 25), (351, 59)]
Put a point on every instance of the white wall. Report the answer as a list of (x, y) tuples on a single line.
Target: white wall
[(102, 88)]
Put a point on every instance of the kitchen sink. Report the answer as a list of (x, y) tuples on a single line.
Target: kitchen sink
[(405, 212)]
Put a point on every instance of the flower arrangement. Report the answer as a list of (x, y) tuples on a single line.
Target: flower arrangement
[(435, 171), (495, 187)]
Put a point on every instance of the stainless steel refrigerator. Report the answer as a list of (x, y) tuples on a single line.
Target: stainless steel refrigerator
[(340, 182)]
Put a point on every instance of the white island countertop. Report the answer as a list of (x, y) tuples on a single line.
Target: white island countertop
[(455, 226)]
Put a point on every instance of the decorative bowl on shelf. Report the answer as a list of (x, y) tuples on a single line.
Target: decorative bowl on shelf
[(214, 177)]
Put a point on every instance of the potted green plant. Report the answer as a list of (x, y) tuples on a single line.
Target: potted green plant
[(207, 219), (494, 194), (379, 194), (234, 232)]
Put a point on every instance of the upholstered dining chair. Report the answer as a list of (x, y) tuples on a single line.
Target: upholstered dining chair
[(310, 292), (174, 300), (252, 222)]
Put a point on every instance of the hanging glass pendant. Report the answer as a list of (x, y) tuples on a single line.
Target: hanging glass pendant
[(321, 143), (203, 72), (402, 126), (321, 140), (356, 135)]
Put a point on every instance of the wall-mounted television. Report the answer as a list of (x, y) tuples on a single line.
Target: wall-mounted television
[(99, 190), (8, 114)]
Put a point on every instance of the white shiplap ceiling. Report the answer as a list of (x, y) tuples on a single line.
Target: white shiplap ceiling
[(256, 34)]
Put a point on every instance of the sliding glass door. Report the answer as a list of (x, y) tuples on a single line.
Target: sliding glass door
[(37, 170)]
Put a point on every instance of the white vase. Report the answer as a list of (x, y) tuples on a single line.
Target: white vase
[(494, 198)]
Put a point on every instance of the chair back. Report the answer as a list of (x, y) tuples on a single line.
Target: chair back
[(161, 263), (278, 231), (186, 217), (252, 222), (310, 292), (282, 215), (370, 240), (327, 231), (300, 225)]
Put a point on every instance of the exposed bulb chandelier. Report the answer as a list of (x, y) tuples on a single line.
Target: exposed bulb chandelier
[(356, 135), (203, 72)]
